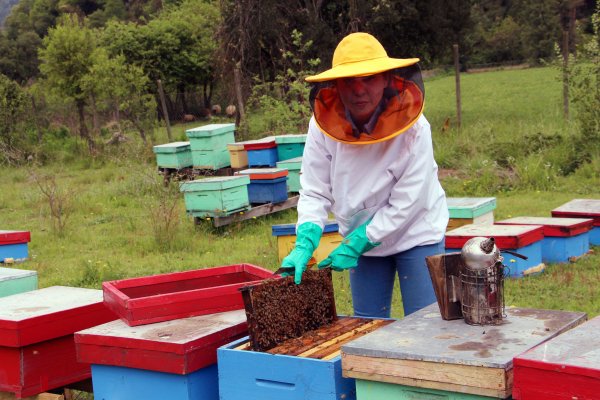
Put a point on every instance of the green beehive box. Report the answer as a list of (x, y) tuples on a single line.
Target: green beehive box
[(175, 155), (470, 207), (293, 166), (13, 281), (209, 145), (216, 196), (290, 146)]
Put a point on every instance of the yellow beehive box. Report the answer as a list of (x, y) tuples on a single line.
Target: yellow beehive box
[(286, 239), (237, 155)]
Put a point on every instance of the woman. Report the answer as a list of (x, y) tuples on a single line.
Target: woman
[(368, 159)]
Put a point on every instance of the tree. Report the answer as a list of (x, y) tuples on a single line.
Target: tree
[(66, 58), (13, 103)]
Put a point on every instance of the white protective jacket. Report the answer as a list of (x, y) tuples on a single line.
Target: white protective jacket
[(393, 182)]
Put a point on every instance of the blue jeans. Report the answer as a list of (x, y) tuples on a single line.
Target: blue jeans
[(372, 281)]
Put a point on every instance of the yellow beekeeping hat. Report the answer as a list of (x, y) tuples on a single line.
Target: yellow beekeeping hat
[(360, 54)]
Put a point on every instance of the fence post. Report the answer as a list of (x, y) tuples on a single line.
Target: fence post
[(163, 103), (457, 80), (565, 52), (237, 79)]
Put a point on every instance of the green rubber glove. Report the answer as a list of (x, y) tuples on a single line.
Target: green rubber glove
[(346, 254), (308, 236)]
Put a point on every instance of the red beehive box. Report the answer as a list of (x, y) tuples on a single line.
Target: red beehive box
[(565, 367), (179, 346), (258, 174), (157, 298), (260, 144), (37, 350)]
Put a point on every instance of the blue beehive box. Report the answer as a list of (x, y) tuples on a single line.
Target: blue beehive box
[(564, 238), (262, 152), (290, 146), (523, 239), (13, 245), (256, 375), (209, 145), (267, 185), (167, 360), (582, 208)]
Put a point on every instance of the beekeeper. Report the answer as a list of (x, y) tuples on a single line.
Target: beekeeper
[(368, 160)]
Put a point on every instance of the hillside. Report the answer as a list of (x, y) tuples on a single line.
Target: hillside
[(5, 7)]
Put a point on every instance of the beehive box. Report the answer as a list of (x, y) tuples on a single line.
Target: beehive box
[(216, 196), (237, 155), (290, 146), (262, 152), (565, 367), (165, 360), (523, 239), (470, 210), (165, 297), (582, 208), (564, 238), (176, 155), (286, 239), (292, 351), (209, 145), (448, 358), (13, 245), (37, 349), (13, 281), (267, 185), (293, 166)]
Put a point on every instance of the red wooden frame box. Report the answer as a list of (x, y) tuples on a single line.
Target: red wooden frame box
[(565, 367), (164, 297), (580, 208), (180, 346), (14, 237), (554, 227), (506, 236), (260, 144), (37, 349)]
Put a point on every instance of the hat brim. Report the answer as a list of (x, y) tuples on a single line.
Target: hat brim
[(362, 68)]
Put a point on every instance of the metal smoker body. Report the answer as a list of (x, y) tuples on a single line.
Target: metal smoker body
[(482, 282)]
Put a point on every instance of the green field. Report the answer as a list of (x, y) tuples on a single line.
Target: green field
[(122, 222)]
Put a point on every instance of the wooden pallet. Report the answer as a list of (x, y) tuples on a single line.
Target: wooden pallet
[(41, 396), (189, 173), (257, 211)]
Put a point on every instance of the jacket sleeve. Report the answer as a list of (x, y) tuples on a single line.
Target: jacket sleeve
[(415, 196), (316, 199)]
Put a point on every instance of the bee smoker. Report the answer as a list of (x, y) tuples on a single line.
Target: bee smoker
[(482, 282)]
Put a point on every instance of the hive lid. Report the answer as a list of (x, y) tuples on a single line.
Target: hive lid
[(209, 130), (470, 207), (425, 336), (263, 173), (506, 236), (573, 352), (260, 144), (7, 274), (14, 237), (235, 146), (563, 227), (290, 229), (179, 346), (48, 313), (214, 183), (174, 147), (291, 138), (580, 208)]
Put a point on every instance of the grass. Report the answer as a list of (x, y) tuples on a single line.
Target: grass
[(117, 201)]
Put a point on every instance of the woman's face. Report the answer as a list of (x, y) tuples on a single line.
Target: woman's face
[(361, 95)]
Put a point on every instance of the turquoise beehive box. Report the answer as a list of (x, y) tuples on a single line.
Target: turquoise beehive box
[(293, 166), (176, 155), (216, 196), (209, 145), (290, 146), (13, 281)]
